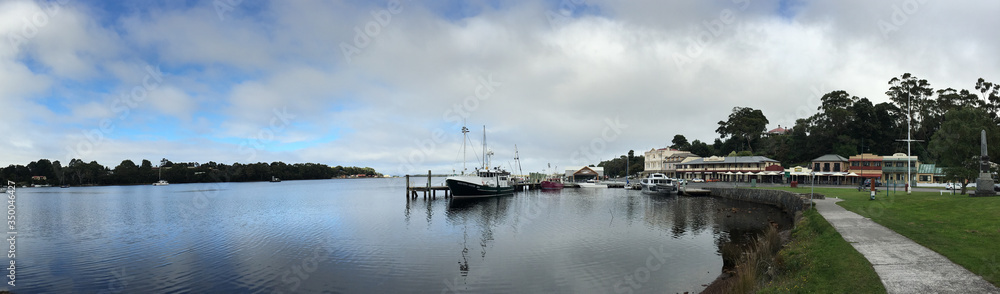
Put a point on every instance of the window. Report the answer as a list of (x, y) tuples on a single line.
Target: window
[(876, 163), (816, 166), (826, 167), (866, 163), (836, 166), (924, 179), (900, 164), (855, 163)]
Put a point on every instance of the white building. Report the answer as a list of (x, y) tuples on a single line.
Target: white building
[(583, 173)]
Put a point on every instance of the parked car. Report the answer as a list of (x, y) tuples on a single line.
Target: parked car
[(697, 180), (996, 187), (950, 186), (713, 180)]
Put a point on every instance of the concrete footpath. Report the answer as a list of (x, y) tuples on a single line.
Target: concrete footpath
[(903, 265)]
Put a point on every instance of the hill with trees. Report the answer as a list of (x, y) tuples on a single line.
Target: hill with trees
[(77, 172)]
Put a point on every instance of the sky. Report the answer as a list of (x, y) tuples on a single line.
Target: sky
[(389, 84)]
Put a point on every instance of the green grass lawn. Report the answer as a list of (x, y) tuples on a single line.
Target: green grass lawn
[(818, 260), (964, 229)]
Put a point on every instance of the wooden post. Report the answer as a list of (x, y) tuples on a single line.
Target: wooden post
[(407, 187)]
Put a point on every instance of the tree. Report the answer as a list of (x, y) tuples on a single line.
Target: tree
[(911, 95), (127, 172), (744, 123), (701, 149), (956, 145), (680, 143), (991, 97)]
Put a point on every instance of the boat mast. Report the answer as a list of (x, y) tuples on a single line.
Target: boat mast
[(486, 163), (465, 136), (518, 160)]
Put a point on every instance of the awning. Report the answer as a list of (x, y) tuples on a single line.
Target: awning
[(728, 173), (852, 175)]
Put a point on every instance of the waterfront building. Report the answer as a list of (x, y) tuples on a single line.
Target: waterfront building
[(830, 163), (655, 160), (929, 173), (831, 169), (866, 166), (731, 168), (583, 173), (800, 174), (670, 163), (894, 169)]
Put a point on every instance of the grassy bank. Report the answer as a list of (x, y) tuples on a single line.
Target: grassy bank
[(964, 229), (818, 260)]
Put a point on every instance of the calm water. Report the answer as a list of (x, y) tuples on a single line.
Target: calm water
[(362, 236)]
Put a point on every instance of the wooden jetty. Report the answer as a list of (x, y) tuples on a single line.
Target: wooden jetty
[(428, 190), (695, 192)]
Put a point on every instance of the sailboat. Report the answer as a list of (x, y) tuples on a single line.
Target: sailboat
[(161, 182), (485, 182)]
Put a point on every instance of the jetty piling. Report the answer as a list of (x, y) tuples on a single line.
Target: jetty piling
[(428, 189)]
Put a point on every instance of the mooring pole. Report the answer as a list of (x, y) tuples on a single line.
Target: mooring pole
[(407, 187)]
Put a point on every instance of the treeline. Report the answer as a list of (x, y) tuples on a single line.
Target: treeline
[(944, 123), (616, 167), (78, 172), (848, 125)]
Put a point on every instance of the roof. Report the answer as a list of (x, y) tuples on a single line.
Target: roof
[(930, 168), (778, 130), (578, 168), (733, 159), (830, 157)]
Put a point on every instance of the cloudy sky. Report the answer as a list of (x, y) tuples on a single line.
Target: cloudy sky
[(388, 84)]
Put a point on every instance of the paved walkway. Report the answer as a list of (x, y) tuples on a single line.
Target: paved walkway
[(903, 265)]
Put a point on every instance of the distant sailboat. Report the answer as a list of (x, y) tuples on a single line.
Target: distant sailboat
[(161, 182)]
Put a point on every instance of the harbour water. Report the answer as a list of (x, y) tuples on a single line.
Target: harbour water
[(362, 236)]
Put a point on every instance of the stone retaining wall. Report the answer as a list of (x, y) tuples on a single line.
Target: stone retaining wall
[(789, 202)]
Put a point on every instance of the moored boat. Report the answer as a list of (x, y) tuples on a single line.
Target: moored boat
[(658, 184), (484, 182), (552, 184)]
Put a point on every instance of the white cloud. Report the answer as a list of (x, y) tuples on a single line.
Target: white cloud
[(555, 86)]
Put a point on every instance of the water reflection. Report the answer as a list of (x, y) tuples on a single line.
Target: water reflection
[(256, 237)]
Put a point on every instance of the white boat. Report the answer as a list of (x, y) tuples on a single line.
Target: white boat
[(484, 182), (161, 182), (658, 184), (595, 184)]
